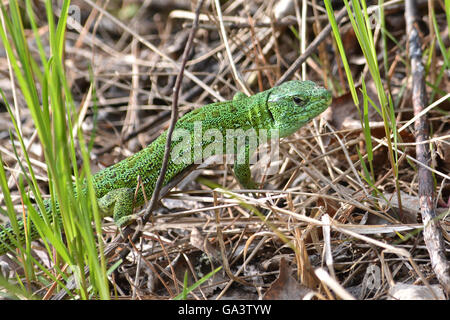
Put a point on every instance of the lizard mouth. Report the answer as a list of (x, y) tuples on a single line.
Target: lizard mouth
[(320, 106)]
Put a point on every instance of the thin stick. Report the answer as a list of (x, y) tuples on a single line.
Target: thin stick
[(173, 121), (432, 233), (333, 284)]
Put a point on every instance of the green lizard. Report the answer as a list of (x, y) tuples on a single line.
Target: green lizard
[(285, 108)]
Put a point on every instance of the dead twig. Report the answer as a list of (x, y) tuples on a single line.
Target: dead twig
[(432, 233), (173, 121)]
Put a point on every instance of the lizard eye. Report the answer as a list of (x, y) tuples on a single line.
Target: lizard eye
[(299, 101)]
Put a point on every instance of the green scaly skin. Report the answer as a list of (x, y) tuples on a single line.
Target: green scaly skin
[(285, 108)]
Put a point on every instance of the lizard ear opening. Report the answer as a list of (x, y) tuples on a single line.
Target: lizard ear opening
[(271, 115)]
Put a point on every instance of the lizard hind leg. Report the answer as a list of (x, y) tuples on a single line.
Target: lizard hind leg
[(119, 203)]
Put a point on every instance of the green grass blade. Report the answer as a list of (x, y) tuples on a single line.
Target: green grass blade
[(183, 294), (337, 37)]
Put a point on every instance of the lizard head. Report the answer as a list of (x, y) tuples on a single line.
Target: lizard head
[(295, 103)]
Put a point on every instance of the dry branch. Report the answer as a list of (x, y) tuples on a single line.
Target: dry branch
[(432, 232), (173, 121)]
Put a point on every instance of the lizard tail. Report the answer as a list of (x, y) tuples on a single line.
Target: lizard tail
[(9, 239)]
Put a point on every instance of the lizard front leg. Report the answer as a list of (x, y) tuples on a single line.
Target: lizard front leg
[(242, 168), (119, 203)]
